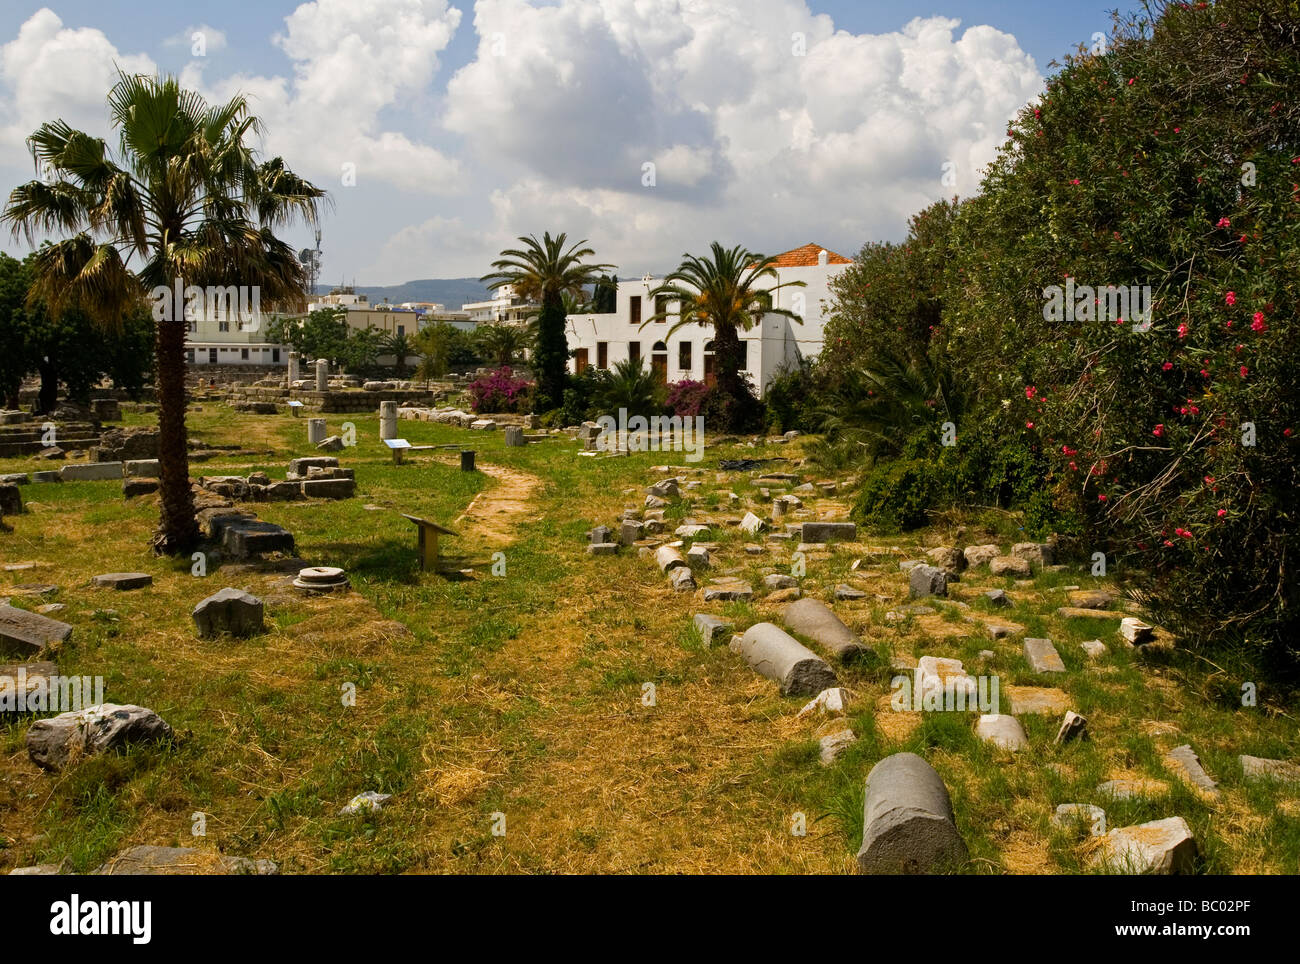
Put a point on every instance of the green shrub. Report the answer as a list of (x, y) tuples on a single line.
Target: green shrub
[(898, 496)]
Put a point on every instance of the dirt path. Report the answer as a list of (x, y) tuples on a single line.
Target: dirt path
[(492, 515)]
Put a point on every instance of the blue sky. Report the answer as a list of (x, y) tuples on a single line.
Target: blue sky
[(650, 128)]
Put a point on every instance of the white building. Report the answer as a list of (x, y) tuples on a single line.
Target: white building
[(777, 342), (505, 305)]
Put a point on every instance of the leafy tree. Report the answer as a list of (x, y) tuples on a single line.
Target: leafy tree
[(604, 299), (724, 292), (399, 346), (502, 343), (192, 200), (433, 343), (630, 385), (545, 271)]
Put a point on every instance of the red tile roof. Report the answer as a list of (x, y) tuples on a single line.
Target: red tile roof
[(807, 255)]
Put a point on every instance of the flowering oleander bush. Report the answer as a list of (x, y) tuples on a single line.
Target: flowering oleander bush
[(500, 391), (686, 397)]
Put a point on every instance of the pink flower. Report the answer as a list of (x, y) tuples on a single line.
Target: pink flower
[(1257, 324), (1101, 498), (1029, 425), (1286, 432), (1224, 223), (1205, 373), (1244, 371), (1158, 431), (1230, 297), (1075, 181), (1030, 392), (1221, 513), (1167, 365), (1182, 331), (1168, 543)]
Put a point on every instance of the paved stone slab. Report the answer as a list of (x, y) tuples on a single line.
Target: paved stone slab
[(1037, 699), (328, 488), (1159, 847), (907, 820), (180, 861), (828, 532), (1276, 771), (123, 581), (730, 592), (25, 634), (1075, 612), (602, 549), (775, 654), (778, 580), (142, 468), (1132, 789), (91, 471), (299, 466), (1042, 656), (1090, 599), (1001, 730), (848, 593)]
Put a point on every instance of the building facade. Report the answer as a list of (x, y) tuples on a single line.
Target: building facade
[(774, 344)]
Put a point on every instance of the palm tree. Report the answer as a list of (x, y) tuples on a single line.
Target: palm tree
[(194, 202), (629, 385), (544, 271), (397, 345), (503, 342), (723, 292)]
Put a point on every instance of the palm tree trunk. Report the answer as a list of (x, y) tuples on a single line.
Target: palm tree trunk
[(177, 531)]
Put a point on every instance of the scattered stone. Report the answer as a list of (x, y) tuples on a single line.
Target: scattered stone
[(829, 702), (1037, 699), (298, 467), (927, 581), (1002, 731), (1135, 631), (728, 592), (1080, 816), (907, 565), (181, 861), (775, 654), (998, 597), (946, 677), (947, 558), (683, 579), (828, 532), (698, 557), (754, 550), (602, 549), (328, 488), (600, 535), (665, 489), (1130, 789), (122, 581), (50, 608), (1073, 727), (11, 499), (1275, 771), (1038, 553), (655, 502), (666, 558), (630, 531), (1095, 648), (752, 524), (1010, 566), (54, 742), (832, 745), (1090, 599), (33, 589), (848, 593), (230, 611), (1043, 657), (50, 476), (907, 820), (366, 802), (987, 654), (1159, 847), (1187, 765), (712, 628), (142, 468), (1077, 612), (980, 555), (133, 488), (814, 619), (37, 870), (779, 580)]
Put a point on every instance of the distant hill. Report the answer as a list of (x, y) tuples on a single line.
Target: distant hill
[(452, 292)]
